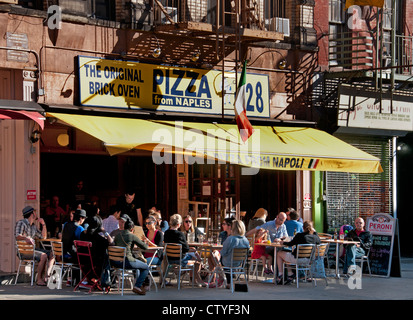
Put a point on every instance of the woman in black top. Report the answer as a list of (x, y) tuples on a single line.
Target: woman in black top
[(309, 236), (173, 235)]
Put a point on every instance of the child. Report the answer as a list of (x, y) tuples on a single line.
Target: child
[(259, 251)]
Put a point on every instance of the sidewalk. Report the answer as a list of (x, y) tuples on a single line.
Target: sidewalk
[(372, 288)]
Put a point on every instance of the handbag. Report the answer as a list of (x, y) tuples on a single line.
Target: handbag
[(317, 268)]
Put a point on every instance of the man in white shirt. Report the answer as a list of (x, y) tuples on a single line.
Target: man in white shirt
[(112, 222)]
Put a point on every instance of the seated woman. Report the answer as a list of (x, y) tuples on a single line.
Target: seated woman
[(161, 225), (188, 228), (226, 229), (154, 238), (173, 235), (309, 236), (237, 239), (136, 261)]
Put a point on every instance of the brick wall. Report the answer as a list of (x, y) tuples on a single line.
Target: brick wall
[(408, 17), (321, 12)]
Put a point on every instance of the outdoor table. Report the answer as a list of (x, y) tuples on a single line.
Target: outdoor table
[(275, 245), (338, 242), (156, 250)]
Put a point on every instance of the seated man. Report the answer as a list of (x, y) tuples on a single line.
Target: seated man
[(72, 231), (112, 222), (293, 225), (28, 229), (354, 251)]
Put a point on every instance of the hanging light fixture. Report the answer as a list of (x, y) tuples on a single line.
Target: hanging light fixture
[(157, 51), (195, 56), (282, 64)]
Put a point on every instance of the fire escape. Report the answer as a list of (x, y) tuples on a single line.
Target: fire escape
[(206, 34), (377, 59)]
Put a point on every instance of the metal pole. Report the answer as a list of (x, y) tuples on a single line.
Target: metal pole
[(394, 180)]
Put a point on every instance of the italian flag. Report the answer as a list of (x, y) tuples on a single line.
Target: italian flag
[(244, 126), (370, 3)]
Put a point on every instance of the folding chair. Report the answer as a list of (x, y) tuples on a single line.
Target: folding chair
[(60, 267), (117, 257), (239, 259), (255, 263), (84, 256), (305, 254), (362, 259), (173, 256), (25, 253)]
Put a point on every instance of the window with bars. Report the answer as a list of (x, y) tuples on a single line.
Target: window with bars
[(350, 195), (336, 30)]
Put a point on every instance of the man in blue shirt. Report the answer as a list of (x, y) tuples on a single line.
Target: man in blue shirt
[(276, 229), (293, 225), (72, 231)]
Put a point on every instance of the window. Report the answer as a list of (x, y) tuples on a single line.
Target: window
[(337, 29)]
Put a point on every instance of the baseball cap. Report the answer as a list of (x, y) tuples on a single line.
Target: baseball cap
[(125, 217), (27, 211), (80, 213)]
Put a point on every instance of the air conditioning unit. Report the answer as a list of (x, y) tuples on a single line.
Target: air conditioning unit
[(281, 25), (172, 13)]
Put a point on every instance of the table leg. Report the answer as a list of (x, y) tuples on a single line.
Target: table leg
[(337, 253), (275, 265)]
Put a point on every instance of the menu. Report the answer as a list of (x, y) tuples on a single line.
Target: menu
[(382, 227)]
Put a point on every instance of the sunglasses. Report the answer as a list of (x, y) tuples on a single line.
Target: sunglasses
[(149, 222), (188, 221)]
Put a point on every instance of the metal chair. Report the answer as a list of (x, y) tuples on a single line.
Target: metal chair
[(304, 258), (60, 267), (154, 268), (25, 253), (173, 256), (255, 263), (117, 257), (362, 259), (239, 258), (84, 256)]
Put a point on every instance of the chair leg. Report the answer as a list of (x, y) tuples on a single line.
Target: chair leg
[(296, 276), (32, 273), (164, 277), (368, 266), (18, 272)]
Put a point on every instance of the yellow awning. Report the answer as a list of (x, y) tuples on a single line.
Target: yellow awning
[(277, 148)]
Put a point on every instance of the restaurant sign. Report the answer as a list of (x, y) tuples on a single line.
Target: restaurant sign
[(134, 85), (382, 227), (359, 108)]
